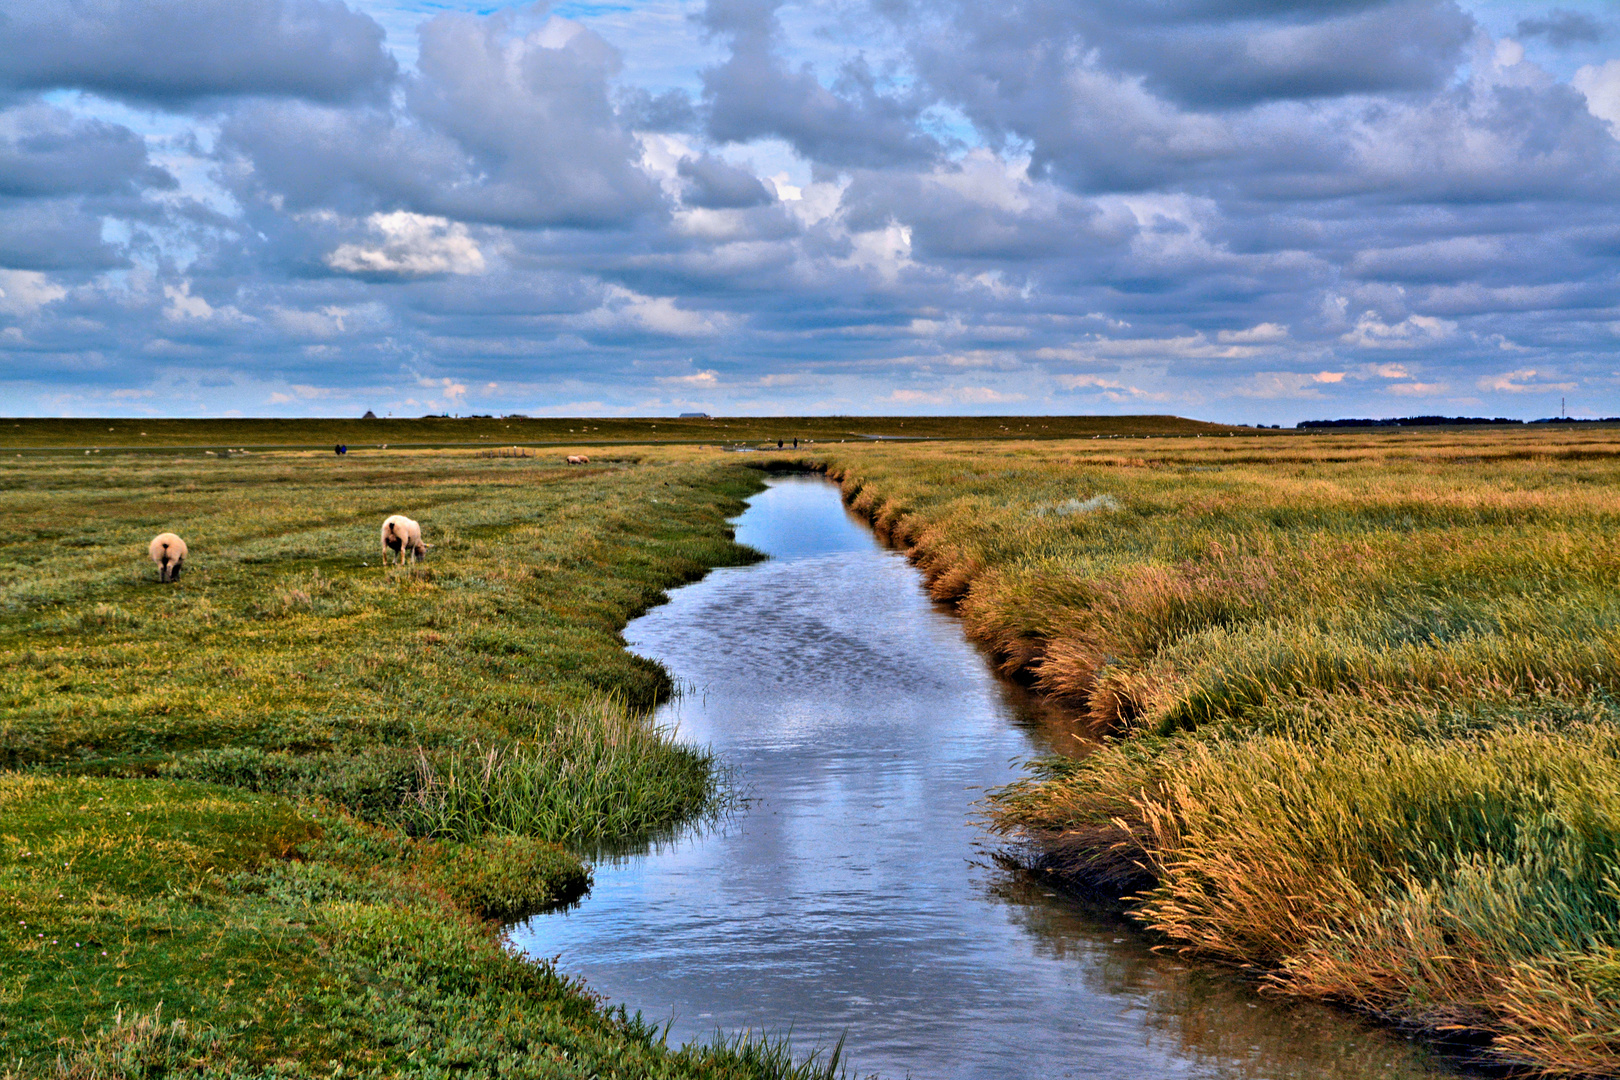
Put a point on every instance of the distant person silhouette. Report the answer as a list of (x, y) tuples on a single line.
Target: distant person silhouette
[(779, 444)]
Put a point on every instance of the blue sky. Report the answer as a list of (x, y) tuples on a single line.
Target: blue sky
[(1247, 210)]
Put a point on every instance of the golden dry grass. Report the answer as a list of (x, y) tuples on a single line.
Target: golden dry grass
[(1357, 691)]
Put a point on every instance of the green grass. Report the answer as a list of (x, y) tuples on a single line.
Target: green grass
[(601, 777), (269, 819), (364, 437), (1357, 695), (119, 893), (141, 903)]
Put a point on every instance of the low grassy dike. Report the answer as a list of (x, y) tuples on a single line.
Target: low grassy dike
[(1357, 697), (268, 820)]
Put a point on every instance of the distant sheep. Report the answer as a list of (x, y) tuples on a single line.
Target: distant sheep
[(578, 459), (401, 536), (169, 552)]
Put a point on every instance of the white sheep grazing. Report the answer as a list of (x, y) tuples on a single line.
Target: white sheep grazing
[(402, 536), (578, 459), (169, 552)]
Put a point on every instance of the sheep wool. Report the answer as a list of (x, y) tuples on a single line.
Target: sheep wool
[(401, 536), (169, 552)]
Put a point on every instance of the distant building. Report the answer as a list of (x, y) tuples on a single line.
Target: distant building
[(694, 416), (369, 415)]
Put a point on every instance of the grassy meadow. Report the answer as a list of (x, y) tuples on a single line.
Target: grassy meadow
[(496, 432), (1357, 696), (268, 820)]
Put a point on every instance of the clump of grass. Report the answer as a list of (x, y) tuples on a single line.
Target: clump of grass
[(1435, 881), (305, 594), (602, 772), (1459, 883), (772, 1056), (140, 1046), (505, 877), (105, 617)]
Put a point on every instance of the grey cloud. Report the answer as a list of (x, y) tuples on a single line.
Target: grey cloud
[(60, 176), (1203, 55), (1489, 142), (1562, 28), (515, 303), (1095, 124), (1472, 298), (1280, 101), (766, 266), (1023, 75), (499, 130), (1090, 129), (172, 52), (53, 234), (47, 151), (539, 125), (1443, 260), (352, 161), (756, 94), (974, 211), (718, 185), (641, 110), (1237, 54)]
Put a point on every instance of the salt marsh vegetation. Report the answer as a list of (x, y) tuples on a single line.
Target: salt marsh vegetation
[(268, 818), (1356, 694)]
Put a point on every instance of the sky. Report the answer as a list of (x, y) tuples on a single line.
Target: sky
[(1253, 211)]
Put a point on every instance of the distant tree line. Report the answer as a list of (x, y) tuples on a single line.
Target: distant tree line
[(1444, 421)]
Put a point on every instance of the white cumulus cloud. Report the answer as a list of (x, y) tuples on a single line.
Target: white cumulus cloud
[(408, 244), (23, 292), (1414, 331), (184, 307), (1601, 86), (1265, 333), (625, 309), (1525, 380)]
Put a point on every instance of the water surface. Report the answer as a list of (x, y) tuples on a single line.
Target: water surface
[(852, 895)]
